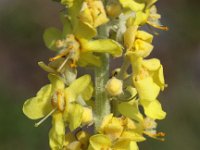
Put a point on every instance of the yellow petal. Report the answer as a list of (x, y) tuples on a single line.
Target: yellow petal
[(132, 4), (99, 141), (113, 129), (56, 81), (125, 145), (87, 116), (159, 78), (132, 136), (84, 30), (153, 109), (39, 106), (75, 145), (57, 132), (102, 46), (51, 35), (146, 88), (75, 116), (151, 64), (88, 92), (130, 110), (141, 18), (77, 87), (142, 48), (129, 36), (144, 36), (89, 59)]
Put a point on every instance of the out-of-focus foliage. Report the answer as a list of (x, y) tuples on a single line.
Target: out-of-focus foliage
[(21, 27)]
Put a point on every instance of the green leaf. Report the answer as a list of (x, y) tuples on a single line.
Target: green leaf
[(51, 35)]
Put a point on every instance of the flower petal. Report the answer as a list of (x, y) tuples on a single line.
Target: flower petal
[(39, 106), (84, 30), (99, 141), (102, 46), (57, 132), (153, 109), (132, 4), (77, 87), (130, 111), (151, 64), (75, 116), (146, 88), (144, 36), (125, 144), (56, 81), (89, 59), (129, 36), (51, 35)]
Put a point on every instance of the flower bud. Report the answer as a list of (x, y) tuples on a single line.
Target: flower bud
[(113, 10), (114, 86)]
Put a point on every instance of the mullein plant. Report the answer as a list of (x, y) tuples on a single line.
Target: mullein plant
[(120, 109)]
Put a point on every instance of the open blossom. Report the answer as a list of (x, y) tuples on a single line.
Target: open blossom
[(113, 113)]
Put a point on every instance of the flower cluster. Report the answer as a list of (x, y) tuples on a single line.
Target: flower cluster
[(114, 113)]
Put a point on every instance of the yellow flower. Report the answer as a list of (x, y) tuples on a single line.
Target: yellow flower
[(76, 142), (111, 126), (93, 13), (56, 100), (75, 41), (148, 81), (138, 43)]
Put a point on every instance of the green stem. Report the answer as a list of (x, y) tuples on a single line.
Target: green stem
[(102, 104), (124, 68)]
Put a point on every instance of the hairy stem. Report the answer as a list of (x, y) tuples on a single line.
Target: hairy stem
[(102, 105)]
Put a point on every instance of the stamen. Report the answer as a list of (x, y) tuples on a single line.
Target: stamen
[(43, 119), (63, 64), (155, 136), (62, 54), (165, 28)]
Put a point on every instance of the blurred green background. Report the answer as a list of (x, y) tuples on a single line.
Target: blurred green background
[(22, 24)]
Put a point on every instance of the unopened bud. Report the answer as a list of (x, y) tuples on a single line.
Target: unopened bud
[(114, 86)]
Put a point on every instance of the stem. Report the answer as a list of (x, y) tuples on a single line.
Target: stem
[(101, 100), (124, 68)]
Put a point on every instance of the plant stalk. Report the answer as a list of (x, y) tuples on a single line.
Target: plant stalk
[(102, 104)]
